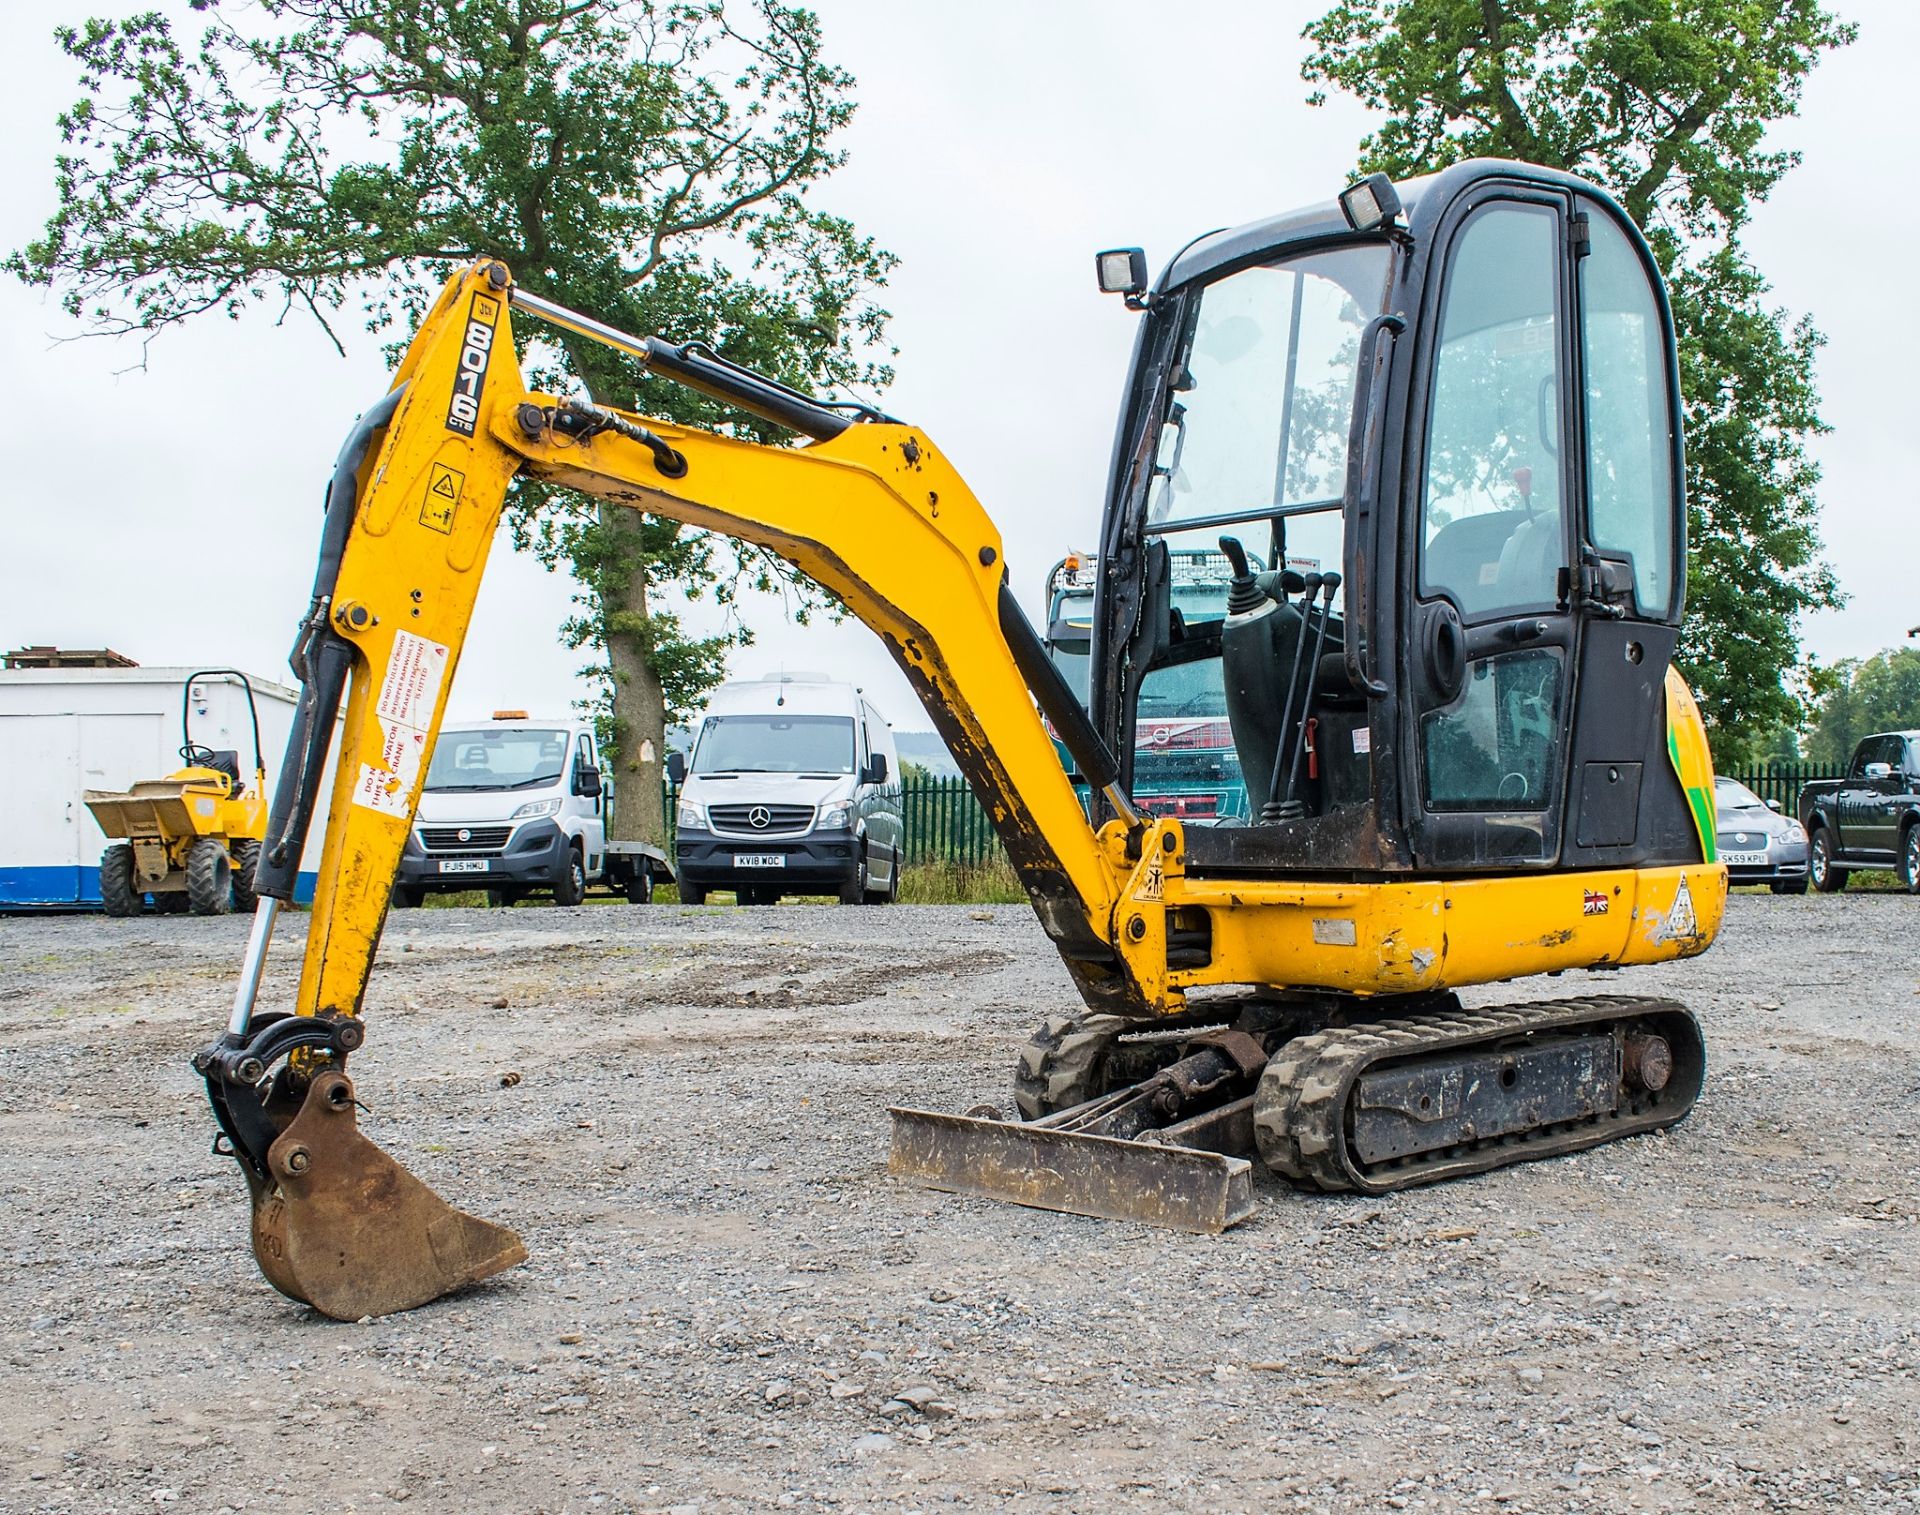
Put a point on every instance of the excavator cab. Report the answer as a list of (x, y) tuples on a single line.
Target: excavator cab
[(1430, 435), (1455, 427)]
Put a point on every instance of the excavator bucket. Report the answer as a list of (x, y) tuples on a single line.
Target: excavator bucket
[(1074, 1171), (346, 1229)]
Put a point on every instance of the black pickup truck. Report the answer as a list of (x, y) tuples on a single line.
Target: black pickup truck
[(1870, 818)]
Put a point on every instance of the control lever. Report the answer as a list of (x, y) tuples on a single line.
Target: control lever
[(1286, 807), (1269, 808)]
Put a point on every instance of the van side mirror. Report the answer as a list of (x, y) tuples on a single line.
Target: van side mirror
[(676, 768), (586, 783), (877, 768)]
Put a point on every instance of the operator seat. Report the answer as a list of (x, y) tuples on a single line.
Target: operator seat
[(224, 760)]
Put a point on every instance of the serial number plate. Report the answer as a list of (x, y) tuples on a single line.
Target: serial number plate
[(759, 860), (1744, 859), (463, 865)]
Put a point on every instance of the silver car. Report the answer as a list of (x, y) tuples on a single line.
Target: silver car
[(1757, 843)]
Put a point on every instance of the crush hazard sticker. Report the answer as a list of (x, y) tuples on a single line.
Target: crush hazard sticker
[(1680, 919), (442, 498), (476, 348), (409, 691), (1152, 882), (1594, 902)]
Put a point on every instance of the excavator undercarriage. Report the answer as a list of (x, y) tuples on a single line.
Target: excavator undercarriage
[(1158, 1126), (1464, 756)]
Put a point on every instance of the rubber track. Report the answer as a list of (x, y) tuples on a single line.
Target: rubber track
[(1300, 1112)]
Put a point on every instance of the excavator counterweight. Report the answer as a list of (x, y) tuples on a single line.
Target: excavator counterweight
[(1431, 440)]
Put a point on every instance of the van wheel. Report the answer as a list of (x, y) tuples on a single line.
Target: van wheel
[(854, 891), (640, 890), (572, 887), (692, 894), (117, 895), (246, 858), (209, 878), (1826, 877)]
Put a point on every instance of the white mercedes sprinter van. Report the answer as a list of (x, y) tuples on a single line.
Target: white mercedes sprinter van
[(793, 787)]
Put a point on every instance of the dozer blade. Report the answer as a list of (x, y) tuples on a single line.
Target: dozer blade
[(346, 1229), (1049, 1169)]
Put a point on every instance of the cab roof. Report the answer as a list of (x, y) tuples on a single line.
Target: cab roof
[(1323, 221)]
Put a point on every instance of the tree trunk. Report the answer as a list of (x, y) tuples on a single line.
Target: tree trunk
[(639, 708)]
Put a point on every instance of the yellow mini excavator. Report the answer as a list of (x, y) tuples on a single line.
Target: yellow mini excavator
[(1448, 410)]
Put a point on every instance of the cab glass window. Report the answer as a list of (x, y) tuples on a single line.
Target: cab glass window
[(1263, 399), (1629, 422), (1493, 536)]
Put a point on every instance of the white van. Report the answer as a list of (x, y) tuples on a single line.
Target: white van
[(516, 805), (793, 787)]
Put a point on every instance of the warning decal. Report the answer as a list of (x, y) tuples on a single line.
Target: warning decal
[(416, 670), (443, 495), (1152, 881), (1680, 919)]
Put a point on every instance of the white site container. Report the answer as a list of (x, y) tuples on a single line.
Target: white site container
[(64, 731)]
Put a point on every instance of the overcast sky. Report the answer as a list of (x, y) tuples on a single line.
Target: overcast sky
[(171, 512)]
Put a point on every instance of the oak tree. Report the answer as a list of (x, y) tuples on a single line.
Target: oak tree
[(1666, 103), (649, 162)]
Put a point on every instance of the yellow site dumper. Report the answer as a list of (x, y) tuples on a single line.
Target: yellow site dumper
[(191, 839)]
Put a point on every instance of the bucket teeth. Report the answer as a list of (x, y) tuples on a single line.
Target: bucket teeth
[(1072, 1171), (345, 1228)]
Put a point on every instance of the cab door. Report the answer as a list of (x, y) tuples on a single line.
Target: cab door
[(1489, 662), (591, 810)]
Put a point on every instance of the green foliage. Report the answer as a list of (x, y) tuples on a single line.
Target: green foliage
[(950, 883), (1666, 103), (646, 161), (1880, 693)]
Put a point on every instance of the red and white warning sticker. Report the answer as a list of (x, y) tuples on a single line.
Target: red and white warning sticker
[(409, 691)]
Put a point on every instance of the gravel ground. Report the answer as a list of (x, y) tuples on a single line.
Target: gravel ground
[(731, 1306)]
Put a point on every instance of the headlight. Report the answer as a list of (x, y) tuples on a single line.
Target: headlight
[(1795, 832), (535, 807), (689, 815), (840, 813)]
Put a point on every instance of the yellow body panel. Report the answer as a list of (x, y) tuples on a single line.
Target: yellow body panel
[(881, 519)]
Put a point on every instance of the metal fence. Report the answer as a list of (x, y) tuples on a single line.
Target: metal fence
[(944, 823), (1780, 781)]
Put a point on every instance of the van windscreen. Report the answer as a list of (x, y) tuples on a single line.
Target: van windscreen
[(774, 744), (507, 758)]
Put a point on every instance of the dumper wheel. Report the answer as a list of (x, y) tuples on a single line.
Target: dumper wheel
[(117, 894), (246, 857), (209, 878), (1065, 1063)]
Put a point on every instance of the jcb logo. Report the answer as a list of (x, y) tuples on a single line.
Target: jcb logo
[(463, 411)]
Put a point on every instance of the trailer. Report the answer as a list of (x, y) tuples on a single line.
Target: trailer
[(67, 730)]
